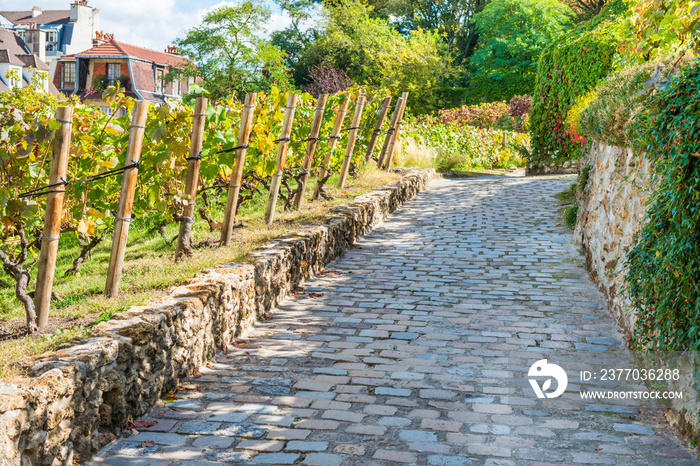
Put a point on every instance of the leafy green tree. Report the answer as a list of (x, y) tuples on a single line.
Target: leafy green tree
[(229, 56), (372, 52), (512, 34), (295, 38), (452, 19), (350, 39), (419, 64)]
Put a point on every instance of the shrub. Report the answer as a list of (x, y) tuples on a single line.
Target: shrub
[(566, 71), (570, 216), (663, 275), (519, 106), (481, 115), (100, 82), (447, 146), (496, 115), (324, 78), (611, 115)]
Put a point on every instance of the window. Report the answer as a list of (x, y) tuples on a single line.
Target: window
[(160, 81), (113, 72), (69, 74), (178, 87), (51, 41), (21, 34), (106, 110), (14, 77)]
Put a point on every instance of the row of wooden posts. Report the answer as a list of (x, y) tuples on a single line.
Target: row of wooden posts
[(59, 165)]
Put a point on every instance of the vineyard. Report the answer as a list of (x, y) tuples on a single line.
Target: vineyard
[(484, 136), (73, 171)]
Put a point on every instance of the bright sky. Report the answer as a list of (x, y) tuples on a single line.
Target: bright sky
[(153, 24)]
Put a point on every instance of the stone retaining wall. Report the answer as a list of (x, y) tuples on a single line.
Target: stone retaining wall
[(611, 211), (78, 397)]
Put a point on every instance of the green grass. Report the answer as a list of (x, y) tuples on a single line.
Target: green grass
[(149, 267), (569, 209)]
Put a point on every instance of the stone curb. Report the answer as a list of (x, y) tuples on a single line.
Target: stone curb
[(540, 168), (82, 394)]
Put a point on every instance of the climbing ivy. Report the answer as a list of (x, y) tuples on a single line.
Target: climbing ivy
[(664, 265), (565, 71)]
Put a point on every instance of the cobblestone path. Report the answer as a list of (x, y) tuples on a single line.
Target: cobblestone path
[(414, 348)]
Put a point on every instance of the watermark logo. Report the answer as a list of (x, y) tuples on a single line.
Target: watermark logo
[(542, 368)]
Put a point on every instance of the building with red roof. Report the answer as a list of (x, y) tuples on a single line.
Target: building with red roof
[(141, 72)]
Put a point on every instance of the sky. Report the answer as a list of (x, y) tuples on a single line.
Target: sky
[(153, 24)]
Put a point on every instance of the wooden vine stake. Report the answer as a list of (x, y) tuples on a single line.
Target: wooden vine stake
[(311, 146), (390, 132), (52, 219), (281, 157), (352, 137), (335, 135), (126, 198), (395, 134), (377, 128), (234, 187), (184, 238)]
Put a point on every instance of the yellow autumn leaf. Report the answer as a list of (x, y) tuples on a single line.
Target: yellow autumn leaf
[(95, 213), (86, 227), (111, 130), (82, 227)]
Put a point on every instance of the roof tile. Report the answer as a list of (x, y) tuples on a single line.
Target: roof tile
[(115, 48)]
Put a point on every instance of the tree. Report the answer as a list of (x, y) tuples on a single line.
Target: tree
[(294, 39), (452, 19), (229, 56), (419, 64), (586, 7), (372, 52), (350, 40), (513, 33)]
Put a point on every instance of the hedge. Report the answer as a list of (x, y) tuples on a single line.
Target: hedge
[(664, 265), (565, 71)]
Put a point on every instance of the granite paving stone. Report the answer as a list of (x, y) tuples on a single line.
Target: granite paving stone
[(414, 348)]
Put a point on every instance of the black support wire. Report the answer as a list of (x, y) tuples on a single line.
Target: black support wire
[(108, 173), (242, 146), (45, 190)]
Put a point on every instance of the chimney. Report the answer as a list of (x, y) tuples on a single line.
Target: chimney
[(173, 49), (36, 11), (79, 11), (99, 38), (35, 39)]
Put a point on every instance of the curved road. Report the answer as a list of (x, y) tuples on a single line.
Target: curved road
[(415, 347)]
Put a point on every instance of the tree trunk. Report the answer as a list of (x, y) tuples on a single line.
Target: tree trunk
[(85, 251), (14, 267)]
